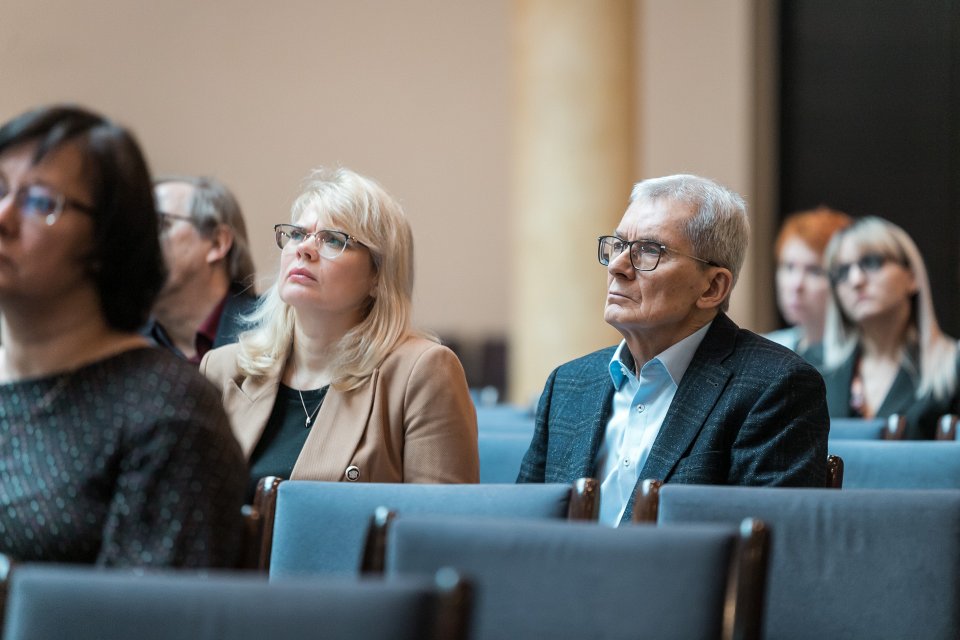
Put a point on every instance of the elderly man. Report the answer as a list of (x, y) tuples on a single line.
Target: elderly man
[(687, 396), (210, 271)]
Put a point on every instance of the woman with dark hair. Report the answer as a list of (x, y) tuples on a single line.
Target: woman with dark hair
[(112, 452)]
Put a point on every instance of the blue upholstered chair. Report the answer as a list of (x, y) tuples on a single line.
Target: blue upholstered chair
[(890, 428), (501, 453), (899, 465), (55, 603), (320, 527), (505, 417), (845, 564), (563, 580)]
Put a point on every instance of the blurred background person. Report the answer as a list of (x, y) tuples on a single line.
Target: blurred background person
[(114, 452), (803, 287), (884, 352), (210, 271), (332, 383)]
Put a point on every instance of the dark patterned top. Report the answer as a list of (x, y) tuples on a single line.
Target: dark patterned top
[(126, 461)]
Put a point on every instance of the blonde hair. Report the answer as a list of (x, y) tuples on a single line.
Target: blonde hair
[(937, 351), (360, 207)]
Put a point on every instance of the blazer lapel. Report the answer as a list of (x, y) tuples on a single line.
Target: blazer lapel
[(337, 432), (590, 426), (249, 407), (699, 390)]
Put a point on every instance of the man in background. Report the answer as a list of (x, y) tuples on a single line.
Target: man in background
[(210, 271)]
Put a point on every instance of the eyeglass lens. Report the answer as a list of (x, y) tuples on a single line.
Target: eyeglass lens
[(330, 243), (868, 263), (644, 256), (36, 201)]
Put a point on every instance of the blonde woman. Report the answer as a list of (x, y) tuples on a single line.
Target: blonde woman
[(884, 352), (331, 383)]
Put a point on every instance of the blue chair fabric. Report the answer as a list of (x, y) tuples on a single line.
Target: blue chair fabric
[(845, 564), (55, 602), (857, 428), (914, 464), (505, 417), (320, 527), (501, 454), (563, 580)]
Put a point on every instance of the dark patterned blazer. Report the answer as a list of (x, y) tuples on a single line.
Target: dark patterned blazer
[(747, 412)]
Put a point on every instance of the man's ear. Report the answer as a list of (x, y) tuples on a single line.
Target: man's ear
[(221, 240), (720, 284)]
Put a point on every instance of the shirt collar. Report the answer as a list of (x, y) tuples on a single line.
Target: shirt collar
[(675, 358)]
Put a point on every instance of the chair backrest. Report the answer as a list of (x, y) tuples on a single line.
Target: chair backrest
[(899, 465), (505, 418), (890, 428), (947, 427), (54, 602), (563, 580), (320, 527), (501, 453), (845, 564)]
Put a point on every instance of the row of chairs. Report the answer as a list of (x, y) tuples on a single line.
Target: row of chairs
[(706, 562), (504, 419), (505, 432), (527, 579)]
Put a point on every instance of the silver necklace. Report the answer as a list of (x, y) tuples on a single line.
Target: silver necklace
[(310, 414)]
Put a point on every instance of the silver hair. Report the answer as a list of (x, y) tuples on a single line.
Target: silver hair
[(213, 204), (718, 231)]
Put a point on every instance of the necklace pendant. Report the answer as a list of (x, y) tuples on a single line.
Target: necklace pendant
[(306, 423)]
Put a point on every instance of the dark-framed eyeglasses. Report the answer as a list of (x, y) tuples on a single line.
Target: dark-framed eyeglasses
[(644, 254), (167, 220), (867, 263), (330, 243), (40, 202)]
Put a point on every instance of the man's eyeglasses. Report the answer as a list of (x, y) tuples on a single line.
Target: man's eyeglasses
[(869, 263), (167, 220), (644, 254), (330, 243), (40, 202)]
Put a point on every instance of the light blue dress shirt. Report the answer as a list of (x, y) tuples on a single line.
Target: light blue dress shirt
[(640, 405)]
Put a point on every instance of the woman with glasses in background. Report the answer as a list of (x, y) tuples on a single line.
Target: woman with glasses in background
[(112, 452), (331, 383), (884, 352)]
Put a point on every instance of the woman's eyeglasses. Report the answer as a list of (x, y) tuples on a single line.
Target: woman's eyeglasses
[(868, 263), (40, 202), (330, 243)]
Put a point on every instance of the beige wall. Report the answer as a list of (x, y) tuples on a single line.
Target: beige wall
[(415, 93)]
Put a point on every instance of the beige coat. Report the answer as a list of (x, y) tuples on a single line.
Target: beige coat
[(411, 421)]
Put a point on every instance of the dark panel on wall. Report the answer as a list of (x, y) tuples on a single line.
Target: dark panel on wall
[(870, 121)]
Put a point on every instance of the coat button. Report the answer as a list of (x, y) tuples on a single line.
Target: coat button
[(353, 473)]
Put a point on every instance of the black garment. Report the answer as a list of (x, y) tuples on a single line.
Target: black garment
[(125, 461), (283, 437), (921, 413)]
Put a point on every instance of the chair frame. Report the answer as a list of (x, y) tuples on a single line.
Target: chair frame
[(947, 427), (584, 505)]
